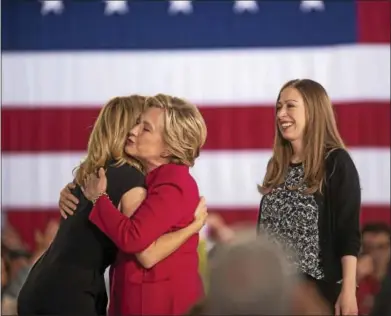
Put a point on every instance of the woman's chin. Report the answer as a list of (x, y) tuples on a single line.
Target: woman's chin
[(130, 151), (288, 137), (135, 156)]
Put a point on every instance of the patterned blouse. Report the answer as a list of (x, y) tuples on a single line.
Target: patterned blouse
[(290, 217)]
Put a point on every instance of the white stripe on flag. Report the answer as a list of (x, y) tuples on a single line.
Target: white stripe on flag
[(227, 77), (226, 178)]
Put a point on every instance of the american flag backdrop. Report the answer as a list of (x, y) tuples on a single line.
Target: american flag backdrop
[(62, 60)]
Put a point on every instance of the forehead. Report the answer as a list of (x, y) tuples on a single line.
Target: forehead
[(290, 94), (153, 116)]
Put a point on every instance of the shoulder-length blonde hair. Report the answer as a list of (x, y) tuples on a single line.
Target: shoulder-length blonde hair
[(321, 136), (184, 128), (109, 134)]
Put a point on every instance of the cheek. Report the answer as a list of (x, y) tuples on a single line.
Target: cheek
[(300, 121), (302, 125), (145, 145), (303, 118)]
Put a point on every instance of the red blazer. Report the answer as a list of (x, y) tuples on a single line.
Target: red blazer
[(173, 285)]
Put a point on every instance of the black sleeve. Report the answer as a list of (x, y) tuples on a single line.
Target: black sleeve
[(122, 179), (345, 195)]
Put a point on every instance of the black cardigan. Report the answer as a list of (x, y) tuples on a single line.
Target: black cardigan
[(339, 213)]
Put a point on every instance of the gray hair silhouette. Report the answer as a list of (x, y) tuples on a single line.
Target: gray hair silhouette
[(250, 276)]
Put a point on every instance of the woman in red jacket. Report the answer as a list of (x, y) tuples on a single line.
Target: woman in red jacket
[(167, 141)]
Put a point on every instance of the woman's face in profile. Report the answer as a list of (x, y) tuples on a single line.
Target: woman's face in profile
[(146, 141)]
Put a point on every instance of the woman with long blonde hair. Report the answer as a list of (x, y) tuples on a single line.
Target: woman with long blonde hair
[(68, 279), (311, 193)]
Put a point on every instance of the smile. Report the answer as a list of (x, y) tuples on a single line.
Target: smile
[(286, 125)]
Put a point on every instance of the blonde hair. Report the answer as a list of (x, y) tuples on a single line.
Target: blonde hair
[(184, 128), (321, 136), (109, 134)]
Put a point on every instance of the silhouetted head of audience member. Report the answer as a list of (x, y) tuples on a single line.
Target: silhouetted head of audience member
[(250, 275)]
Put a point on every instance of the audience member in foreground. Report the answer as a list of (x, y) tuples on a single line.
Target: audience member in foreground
[(250, 276)]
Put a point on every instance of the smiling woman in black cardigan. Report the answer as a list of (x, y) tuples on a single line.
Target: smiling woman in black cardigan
[(311, 194)]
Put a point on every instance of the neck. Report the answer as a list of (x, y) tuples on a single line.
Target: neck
[(297, 149), (152, 165)]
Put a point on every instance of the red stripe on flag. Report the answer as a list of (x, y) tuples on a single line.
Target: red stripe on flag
[(52, 129), (27, 222), (373, 18)]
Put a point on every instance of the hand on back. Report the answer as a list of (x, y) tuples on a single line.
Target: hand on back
[(93, 187)]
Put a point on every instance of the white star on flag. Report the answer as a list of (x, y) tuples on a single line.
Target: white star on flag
[(116, 6), (309, 5), (180, 6), (56, 7), (241, 6)]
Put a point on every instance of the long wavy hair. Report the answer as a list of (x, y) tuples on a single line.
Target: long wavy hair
[(321, 136), (109, 134)]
